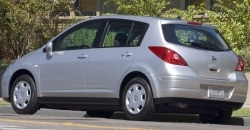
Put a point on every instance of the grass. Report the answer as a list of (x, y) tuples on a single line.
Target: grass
[(247, 70), (3, 103), (243, 112)]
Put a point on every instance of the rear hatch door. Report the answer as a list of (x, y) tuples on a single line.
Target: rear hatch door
[(204, 50)]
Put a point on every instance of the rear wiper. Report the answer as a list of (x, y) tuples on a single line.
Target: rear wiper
[(202, 45)]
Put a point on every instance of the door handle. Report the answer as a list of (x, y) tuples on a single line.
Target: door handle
[(214, 68), (126, 54), (82, 56)]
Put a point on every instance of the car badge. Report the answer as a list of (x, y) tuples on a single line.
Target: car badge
[(214, 59)]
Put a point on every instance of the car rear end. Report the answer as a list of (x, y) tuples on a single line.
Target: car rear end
[(198, 69)]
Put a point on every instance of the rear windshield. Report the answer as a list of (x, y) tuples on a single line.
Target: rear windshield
[(195, 36)]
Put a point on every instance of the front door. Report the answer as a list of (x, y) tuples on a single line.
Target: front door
[(64, 74)]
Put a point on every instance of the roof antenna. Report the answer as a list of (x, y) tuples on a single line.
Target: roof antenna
[(179, 17)]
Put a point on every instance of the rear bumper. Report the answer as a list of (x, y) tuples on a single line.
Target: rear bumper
[(187, 85), (199, 103), (202, 94)]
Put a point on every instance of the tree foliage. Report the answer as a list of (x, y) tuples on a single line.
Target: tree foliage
[(189, 14), (232, 17), (140, 7), (25, 25)]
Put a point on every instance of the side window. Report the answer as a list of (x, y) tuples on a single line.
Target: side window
[(117, 34), (124, 34), (137, 34), (79, 37)]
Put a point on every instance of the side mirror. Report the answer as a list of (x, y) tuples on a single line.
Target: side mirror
[(48, 48)]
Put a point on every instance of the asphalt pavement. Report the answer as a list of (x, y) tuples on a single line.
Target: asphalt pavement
[(62, 119)]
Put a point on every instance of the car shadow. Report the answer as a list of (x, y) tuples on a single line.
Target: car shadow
[(174, 118)]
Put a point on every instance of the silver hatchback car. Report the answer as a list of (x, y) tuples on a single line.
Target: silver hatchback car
[(139, 65)]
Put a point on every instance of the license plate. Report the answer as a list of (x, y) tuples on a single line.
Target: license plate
[(216, 92)]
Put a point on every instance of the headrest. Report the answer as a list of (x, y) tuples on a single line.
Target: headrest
[(121, 37)]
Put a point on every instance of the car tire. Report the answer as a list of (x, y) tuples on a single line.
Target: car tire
[(222, 118), (24, 95), (137, 100), (102, 114)]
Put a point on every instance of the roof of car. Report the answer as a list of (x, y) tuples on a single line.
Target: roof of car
[(147, 19), (137, 18)]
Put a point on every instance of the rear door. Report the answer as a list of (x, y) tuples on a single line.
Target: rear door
[(112, 59), (204, 50)]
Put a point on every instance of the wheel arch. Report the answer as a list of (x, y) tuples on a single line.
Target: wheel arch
[(130, 76), (17, 74)]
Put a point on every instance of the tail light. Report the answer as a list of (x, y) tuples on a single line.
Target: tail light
[(168, 55), (240, 65)]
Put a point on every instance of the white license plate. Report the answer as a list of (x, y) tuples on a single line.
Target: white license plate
[(216, 92)]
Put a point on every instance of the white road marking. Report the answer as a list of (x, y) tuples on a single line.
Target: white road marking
[(8, 127)]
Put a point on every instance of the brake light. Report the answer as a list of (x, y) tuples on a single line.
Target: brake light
[(195, 23), (240, 65), (168, 55)]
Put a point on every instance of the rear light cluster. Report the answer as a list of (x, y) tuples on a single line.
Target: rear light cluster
[(168, 55), (240, 65)]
